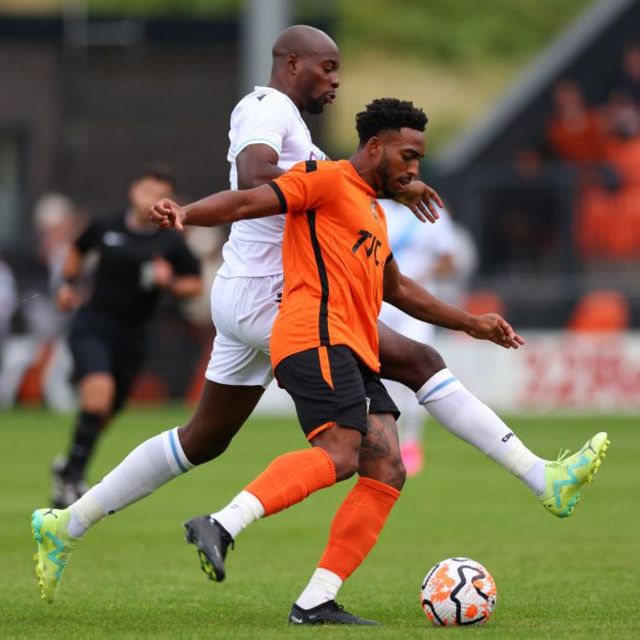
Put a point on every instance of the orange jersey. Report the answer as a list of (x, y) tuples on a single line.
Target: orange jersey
[(334, 251)]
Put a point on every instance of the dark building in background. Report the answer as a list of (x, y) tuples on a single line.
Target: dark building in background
[(85, 104), (526, 205)]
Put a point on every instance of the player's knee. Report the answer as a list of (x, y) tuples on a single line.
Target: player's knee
[(397, 474), (388, 470), (423, 363), (200, 444), (346, 464), (343, 446)]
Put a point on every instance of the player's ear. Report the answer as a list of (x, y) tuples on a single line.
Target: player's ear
[(374, 146), (293, 63)]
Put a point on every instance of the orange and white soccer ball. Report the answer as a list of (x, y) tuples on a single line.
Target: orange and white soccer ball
[(458, 592)]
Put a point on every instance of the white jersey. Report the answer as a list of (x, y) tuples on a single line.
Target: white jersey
[(265, 116)]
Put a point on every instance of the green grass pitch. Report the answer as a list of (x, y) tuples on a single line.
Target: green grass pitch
[(133, 576)]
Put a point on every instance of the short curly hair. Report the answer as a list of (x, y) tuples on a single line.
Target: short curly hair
[(388, 114)]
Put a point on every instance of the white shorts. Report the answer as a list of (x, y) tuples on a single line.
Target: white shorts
[(243, 311)]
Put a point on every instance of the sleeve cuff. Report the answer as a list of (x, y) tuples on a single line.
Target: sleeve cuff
[(281, 198)]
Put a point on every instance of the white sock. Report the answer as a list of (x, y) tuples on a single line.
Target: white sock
[(147, 467), (322, 587), (461, 413), (244, 509)]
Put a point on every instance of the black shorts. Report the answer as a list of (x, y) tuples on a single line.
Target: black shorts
[(329, 384), (100, 344)]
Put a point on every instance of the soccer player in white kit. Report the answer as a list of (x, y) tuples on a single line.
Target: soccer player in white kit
[(245, 296)]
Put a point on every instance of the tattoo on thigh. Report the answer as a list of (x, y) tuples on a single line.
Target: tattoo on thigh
[(381, 438)]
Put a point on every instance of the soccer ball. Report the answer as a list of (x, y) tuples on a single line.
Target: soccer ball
[(458, 592)]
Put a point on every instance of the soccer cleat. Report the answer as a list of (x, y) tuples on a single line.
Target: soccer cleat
[(212, 541), (66, 489), (327, 613), (54, 545), (565, 476)]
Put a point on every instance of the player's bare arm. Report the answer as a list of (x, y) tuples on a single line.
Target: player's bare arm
[(407, 295), (67, 296), (257, 164), (220, 208)]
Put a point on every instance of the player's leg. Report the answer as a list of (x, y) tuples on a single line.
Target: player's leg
[(327, 387), (422, 369), (412, 418), (149, 466), (222, 410), (362, 515)]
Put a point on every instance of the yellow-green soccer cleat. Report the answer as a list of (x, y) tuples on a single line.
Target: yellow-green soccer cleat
[(54, 545), (565, 476)]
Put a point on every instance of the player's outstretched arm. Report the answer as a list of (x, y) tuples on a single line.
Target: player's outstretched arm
[(407, 295), (220, 208)]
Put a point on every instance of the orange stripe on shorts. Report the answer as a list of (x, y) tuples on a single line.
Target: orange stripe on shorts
[(325, 367), (320, 429)]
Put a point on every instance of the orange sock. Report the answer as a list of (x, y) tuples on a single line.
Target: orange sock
[(357, 525), (291, 477)]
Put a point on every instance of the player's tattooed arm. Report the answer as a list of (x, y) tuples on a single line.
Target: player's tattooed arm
[(408, 296), (220, 208)]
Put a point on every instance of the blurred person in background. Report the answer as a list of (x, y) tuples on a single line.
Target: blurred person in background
[(451, 278), (421, 254), (8, 302), (56, 222), (136, 262), (575, 131), (629, 82)]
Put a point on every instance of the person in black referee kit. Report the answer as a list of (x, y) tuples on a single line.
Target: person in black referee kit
[(107, 336)]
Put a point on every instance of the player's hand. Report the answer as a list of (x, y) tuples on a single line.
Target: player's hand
[(493, 327), (162, 272), (422, 199), (67, 298), (166, 213)]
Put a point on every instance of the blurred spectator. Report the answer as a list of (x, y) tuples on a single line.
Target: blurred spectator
[(599, 311), (608, 220), (452, 274), (56, 224), (622, 149), (522, 216), (8, 305), (575, 131), (629, 83), (8, 301)]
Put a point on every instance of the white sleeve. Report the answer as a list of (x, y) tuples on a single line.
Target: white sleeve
[(265, 121)]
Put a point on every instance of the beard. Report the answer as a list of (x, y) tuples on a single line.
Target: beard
[(383, 172), (315, 106)]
